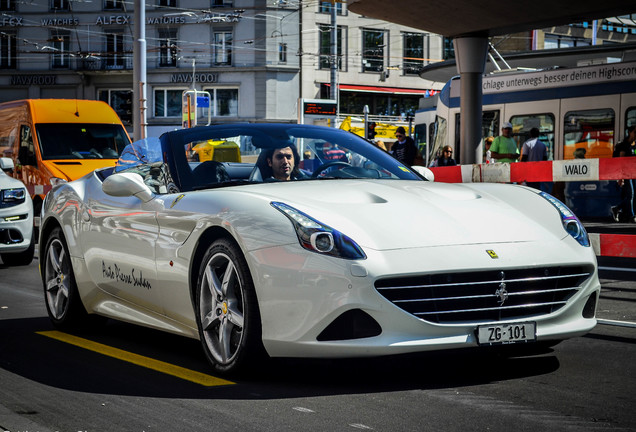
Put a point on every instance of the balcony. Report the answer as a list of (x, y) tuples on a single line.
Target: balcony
[(106, 62)]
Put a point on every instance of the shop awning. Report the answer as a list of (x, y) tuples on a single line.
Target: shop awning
[(391, 90)]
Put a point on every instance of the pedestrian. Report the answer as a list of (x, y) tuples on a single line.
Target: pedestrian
[(488, 156), (624, 211), (534, 150), (404, 148), (446, 159), (504, 147)]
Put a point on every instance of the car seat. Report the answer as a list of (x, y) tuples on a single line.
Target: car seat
[(261, 170), (210, 172)]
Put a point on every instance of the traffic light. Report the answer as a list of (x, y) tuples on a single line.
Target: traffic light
[(371, 130)]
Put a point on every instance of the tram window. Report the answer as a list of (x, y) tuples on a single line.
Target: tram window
[(421, 137), (490, 123), (439, 139), (521, 126), (457, 142), (588, 133), (489, 127), (630, 117)]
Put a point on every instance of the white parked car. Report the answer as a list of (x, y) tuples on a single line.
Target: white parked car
[(356, 255), (17, 243)]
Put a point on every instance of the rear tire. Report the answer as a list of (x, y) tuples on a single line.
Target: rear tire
[(63, 302), (227, 310)]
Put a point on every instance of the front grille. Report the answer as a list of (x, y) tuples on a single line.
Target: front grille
[(485, 296), (6, 204)]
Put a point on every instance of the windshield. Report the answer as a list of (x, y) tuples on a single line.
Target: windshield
[(81, 141), (287, 152), (229, 155)]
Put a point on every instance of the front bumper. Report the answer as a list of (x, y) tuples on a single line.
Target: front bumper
[(16, 227), (301, 294)]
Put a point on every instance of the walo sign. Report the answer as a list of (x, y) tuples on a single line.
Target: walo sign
[(575, 170)]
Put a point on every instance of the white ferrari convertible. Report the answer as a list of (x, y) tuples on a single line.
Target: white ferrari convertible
[(324, 246)]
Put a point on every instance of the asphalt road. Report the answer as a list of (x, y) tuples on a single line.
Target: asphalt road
[(583, 384)]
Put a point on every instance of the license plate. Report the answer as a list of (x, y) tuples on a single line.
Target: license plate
[(497, 334)]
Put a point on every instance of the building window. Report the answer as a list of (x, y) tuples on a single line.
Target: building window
[(222, 47), (325, 47), (168, 102), (373, 50), (113, 5), (282, 52), (378, 103), (57, 5), (60, 57), (449, 49), (325, 7), (168, 47), (224, 101), (120, 100), (557, 41), (413, 53), (115, 56), (167, 3), (7, 5), (221, 3), (7, 51)]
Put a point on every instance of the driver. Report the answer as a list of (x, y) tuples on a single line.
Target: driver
[(282, 162)]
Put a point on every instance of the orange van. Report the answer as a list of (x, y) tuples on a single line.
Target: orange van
[(58, 140)]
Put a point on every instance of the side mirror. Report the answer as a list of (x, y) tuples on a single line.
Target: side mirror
[(424, 172), (6, 164), (127, 184)]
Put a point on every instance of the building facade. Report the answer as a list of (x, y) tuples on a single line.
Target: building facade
[(613, 30), (256, 58), (378, 62)]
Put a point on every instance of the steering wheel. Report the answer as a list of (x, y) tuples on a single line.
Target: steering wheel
[(328, 165)]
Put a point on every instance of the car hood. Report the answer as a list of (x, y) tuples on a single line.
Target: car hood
[(73, 169), (7, 182), (396, 214)]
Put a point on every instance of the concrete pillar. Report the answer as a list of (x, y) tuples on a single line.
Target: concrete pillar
[(470, 53)]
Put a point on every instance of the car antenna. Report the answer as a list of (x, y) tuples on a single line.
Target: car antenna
[(76, 109)]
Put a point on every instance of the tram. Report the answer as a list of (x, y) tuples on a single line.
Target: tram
[(580, 112)]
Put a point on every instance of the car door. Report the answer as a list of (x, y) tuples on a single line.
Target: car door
[(119, 235)]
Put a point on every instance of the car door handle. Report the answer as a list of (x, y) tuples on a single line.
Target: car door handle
[(86, 216)]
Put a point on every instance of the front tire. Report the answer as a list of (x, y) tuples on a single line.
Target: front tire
[(227, 309), (62, 299)]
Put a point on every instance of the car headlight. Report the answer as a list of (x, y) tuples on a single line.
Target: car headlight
[(12, 195), (571, 223), (317, 237)]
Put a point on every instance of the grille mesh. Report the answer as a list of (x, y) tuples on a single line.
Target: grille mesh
[(485, 296)]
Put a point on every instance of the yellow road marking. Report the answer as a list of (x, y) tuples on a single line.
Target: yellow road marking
[(147, 362)]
